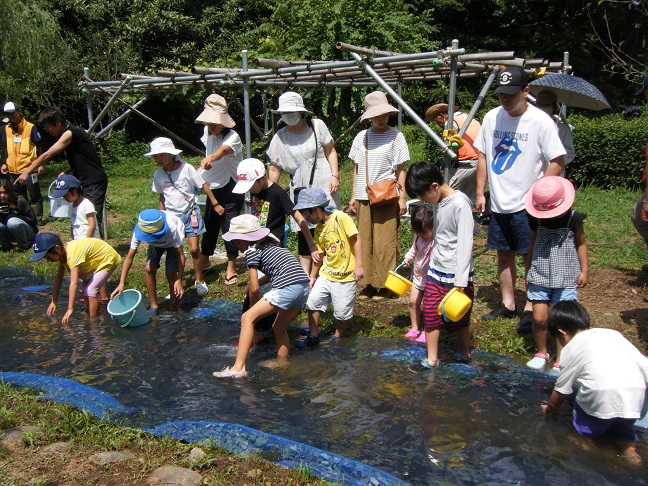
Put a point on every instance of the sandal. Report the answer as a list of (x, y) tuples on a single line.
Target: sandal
[(412, 334), (231, 280), (538, 362)]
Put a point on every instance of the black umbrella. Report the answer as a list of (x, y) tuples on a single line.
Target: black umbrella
[(571, 90)]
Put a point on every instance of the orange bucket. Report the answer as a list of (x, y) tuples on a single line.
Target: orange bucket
[(397, 283)]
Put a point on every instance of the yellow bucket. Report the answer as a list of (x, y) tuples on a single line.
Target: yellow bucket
[(454, 305), (397, 283)]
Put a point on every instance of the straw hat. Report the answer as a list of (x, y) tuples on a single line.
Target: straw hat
[(246, 227), (162, 145), (435, 110), (291, 102), (216, 112), (376, 104), (549, 197), (548, 98)]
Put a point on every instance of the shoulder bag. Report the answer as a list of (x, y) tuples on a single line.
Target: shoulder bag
[(381, 193)]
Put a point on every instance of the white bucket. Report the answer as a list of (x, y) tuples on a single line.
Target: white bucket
[(59, 207)]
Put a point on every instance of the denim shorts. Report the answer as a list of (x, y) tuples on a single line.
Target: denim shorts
[(509, 232), (536, 293), (154, 255), (290, 297)]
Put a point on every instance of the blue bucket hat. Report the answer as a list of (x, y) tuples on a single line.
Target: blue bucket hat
[(64, 184), (151, 225), (44, 242), (313, 197)]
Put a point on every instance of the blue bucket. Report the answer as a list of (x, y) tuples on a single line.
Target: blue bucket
[(127, 309)]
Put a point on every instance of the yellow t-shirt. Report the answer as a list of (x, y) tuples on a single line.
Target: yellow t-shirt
[(91, 255), (333, 238)]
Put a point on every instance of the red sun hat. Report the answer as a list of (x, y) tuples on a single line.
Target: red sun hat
[(550, 197)]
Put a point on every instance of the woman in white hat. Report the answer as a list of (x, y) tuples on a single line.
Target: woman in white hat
[(383, 150), (223, 152), (303, 148)]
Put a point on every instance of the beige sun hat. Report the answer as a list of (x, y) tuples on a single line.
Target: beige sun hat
[(376, 104), (291, 102), (216, 112)]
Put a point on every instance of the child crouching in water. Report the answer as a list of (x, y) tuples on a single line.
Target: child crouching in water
[(558, 256), (289, 287), (422, 221), (451, 260)]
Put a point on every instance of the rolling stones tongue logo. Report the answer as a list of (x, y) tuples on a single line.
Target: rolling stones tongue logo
[(506, 152)]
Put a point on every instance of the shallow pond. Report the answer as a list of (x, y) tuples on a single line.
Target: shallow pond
[(458, 424)]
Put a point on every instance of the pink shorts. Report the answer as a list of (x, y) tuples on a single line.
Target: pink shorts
[(91, 285)]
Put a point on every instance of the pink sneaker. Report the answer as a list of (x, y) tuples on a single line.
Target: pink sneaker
[(420, 338), (411, 334)]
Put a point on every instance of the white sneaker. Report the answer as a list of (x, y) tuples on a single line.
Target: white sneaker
[(229, 373), (201, 289), (538, 362)]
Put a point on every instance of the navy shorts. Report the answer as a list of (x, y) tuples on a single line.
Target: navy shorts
[(619, 428), (154, 255), (509, 232)]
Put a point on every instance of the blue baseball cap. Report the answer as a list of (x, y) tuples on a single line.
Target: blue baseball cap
[(43, 243), (643, 88), (64, 184), (311, 197), (151, 225)]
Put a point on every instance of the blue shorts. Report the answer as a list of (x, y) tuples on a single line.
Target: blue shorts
[(509, 232), (290, 297), (190, 231), (154, 255), (536, 293), (619, 428)]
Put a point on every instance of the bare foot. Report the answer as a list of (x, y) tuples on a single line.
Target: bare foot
[(629, 453)]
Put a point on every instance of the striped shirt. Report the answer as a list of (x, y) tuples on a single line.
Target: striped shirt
[(281, 266), (386, 151)]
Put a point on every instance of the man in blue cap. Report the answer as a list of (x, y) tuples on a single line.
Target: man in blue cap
[(164, 232)]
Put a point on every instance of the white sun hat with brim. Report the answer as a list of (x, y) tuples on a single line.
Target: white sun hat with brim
[(291, 102), (246, 227), (215, 112), (376, 104), (162, 145)]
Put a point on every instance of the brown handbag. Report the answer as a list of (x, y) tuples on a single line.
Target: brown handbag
[(381, 193)]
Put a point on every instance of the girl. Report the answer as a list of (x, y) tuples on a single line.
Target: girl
[(177, 182), (83, 214), (288, 294), (90, 259), (17, 219), (422, 222)]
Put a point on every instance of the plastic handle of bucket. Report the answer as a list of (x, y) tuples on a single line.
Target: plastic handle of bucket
[(411, 276), (129, 320), (443, 311)]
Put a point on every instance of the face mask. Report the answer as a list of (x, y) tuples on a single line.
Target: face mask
[(291, 119)]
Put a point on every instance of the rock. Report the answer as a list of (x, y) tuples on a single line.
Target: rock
[(178, 476), (12, 438), (113, 456), (197, 454), (56, 448), (254, 473)]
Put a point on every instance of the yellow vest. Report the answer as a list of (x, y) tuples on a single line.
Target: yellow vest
[(20, 154)]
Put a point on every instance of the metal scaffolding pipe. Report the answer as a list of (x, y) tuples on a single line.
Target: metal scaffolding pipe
[(363, 50), (103, 112), (86, 73), (487, 56), (172, 74), (479, 100), (246, 104), (452, 91), (211, 70), (128, 111)]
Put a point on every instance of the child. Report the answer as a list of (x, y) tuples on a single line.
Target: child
[(90, 259), (422, 221), (339, 268), (270, 203), (163, 232), (83, 215), (451, 260), (177, 182), (558, 256), (287, 296), (611, 372), (17, 219)]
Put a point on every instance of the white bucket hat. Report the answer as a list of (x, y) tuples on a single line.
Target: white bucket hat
[(216, 112), (162, 145), (376, 104), (290, 102)]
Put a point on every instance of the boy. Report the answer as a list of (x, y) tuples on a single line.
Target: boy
[(611, 372), (451, 260), (164, 232), (340, 267), (90, 259)]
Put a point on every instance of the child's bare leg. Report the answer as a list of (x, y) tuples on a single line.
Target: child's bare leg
[(540, 315), (261, 309), (432, 344), (463, 341), (151, 287), (340, 327), (416, 297), (194, 249), (171, 278), (103, 292), (231, 267), (280, 327), (92, 304), (313, 322)]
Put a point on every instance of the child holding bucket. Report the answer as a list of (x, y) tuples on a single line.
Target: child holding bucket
[(334, 277), (559, 263), (90, 259), (422, 221), (451, 260), (288, 294), (164, 232)]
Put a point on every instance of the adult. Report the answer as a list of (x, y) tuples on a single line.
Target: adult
[(303, 148), (517, 144), (17, 220), (223, 152), (81, 154), (640, 211), (463, 171), (547, 101), (21, 144), (383, 150)]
